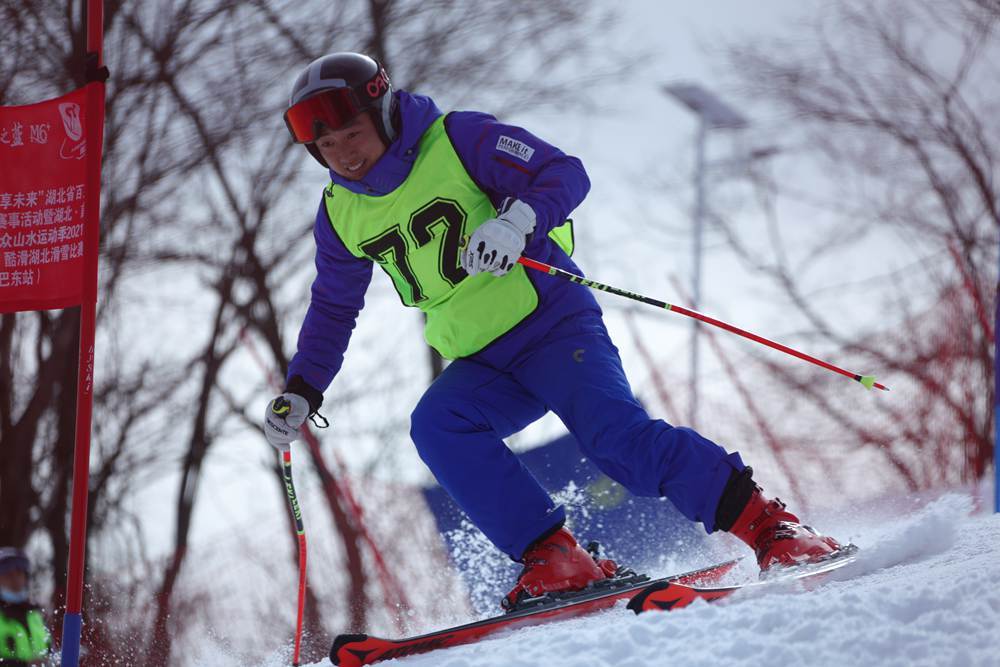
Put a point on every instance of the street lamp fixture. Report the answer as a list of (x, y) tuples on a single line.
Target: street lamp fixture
[(710, 109), (713, 114)]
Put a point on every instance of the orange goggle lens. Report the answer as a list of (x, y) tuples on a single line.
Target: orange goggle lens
[(330, 108)]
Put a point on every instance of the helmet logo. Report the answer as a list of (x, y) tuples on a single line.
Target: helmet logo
[(378, 85)]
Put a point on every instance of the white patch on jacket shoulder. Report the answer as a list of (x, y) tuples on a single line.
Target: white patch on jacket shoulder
[(518, 149)]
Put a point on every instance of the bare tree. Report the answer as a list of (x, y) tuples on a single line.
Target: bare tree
[(38, 379), (421, 43), (204, 243), (892, 105)]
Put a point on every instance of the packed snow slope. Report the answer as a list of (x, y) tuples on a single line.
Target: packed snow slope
[(925, 591)]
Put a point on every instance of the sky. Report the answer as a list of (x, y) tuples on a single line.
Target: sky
[(634, 229), (632, 233), (646, 140)]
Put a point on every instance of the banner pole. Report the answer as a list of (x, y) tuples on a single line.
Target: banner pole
[(72, 621)]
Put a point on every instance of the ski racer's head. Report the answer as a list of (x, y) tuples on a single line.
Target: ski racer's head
[(14, 571), (341, 108)]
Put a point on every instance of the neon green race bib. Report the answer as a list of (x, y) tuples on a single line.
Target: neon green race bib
[(21, 643), (415, 234)]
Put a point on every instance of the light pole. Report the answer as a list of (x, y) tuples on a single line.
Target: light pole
[(712, 114)]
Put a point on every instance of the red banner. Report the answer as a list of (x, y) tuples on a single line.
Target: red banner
[(42, 194)]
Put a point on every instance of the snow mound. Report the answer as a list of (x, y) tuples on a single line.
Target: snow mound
[(930, 531), (925, 591)]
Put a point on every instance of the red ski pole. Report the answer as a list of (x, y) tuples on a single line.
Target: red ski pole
[(395, 600), (867, 380), (286, 471)]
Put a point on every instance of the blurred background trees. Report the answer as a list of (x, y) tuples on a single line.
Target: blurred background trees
[(206, 252), (886, 113), (892, 104)]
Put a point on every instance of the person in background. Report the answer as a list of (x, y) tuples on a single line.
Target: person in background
[(24, 639), (446, 204)]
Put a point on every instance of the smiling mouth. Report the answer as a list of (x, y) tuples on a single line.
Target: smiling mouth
[(355, 167)]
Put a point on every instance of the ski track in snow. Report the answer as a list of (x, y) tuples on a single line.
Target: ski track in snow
[(924, 591)]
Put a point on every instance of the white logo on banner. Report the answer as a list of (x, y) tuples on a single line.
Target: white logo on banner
[(74, 147)]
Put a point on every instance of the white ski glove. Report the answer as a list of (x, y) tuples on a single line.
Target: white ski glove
[(497, 244), (285, 415)]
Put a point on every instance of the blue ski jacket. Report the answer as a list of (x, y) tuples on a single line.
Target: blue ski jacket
[(503, 160)]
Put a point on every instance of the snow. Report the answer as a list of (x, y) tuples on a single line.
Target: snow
[(924, 591)]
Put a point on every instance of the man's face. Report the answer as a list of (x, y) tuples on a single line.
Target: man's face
[(14, 580), (352, 149)]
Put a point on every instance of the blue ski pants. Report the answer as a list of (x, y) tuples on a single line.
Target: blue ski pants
[(459, 424)]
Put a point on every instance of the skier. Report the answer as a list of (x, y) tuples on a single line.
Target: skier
[(446, 204), (24, 639)]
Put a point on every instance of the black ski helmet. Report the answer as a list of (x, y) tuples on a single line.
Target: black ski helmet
[(364, 83)]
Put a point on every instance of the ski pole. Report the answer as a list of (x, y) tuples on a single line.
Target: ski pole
[(395, 600), (867, 380), (286, 471)]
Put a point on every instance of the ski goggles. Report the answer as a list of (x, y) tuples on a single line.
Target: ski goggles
[(330, 108), (333, 107)]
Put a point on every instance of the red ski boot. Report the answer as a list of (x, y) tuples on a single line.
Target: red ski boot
[(777, 536), (555, 564)]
